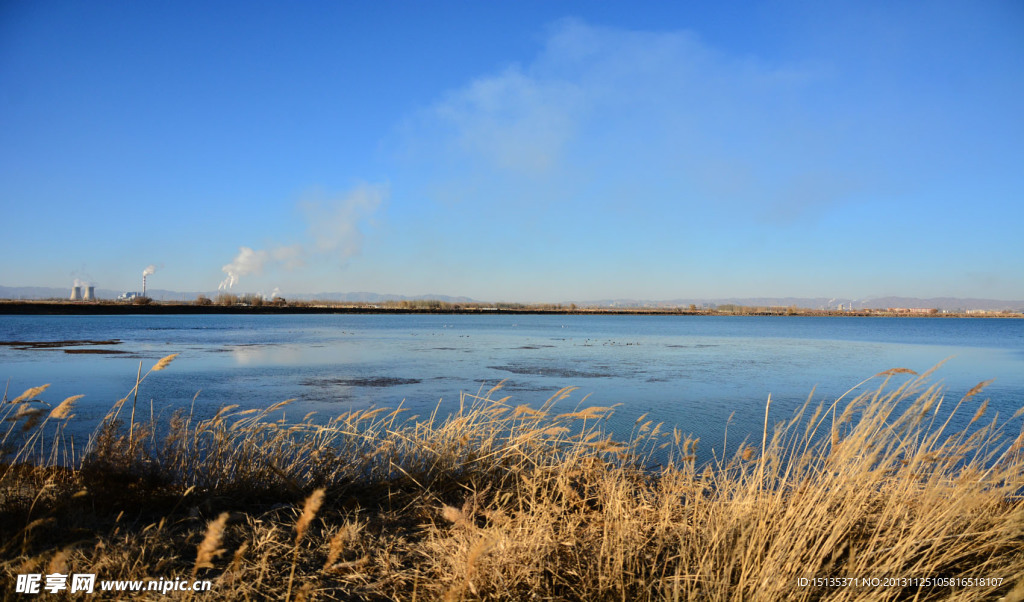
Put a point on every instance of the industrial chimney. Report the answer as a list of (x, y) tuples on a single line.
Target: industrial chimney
[(76, 293), (90, 293), (143, 284)]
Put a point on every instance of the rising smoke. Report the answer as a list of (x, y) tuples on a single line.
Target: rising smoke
[(333, 227), (82, 278), (248, 261), (149, 270)]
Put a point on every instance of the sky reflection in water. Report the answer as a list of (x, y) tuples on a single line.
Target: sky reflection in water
[(691, 372)]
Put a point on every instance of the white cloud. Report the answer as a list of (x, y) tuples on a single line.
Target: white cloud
[(603, 110), (516, 121)]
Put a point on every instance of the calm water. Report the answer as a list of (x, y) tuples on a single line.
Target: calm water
[(689, 371)]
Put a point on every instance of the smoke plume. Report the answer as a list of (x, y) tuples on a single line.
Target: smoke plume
[(248, 261), (149, 270), (333, 227), (334, 223)]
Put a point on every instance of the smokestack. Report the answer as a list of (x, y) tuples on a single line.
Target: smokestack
[(90, 293), (146, 272), (76, 293)]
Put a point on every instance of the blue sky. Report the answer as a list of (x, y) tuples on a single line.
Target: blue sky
[(521, 151)]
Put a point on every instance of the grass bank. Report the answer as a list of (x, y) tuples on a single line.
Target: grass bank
[(500, 501)]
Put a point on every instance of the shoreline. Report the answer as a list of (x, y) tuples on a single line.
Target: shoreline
[(13, 307)]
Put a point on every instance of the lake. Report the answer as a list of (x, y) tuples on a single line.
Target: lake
[(687, 371)]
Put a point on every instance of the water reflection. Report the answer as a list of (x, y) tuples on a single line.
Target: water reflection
[(266, 355), (693, 373)]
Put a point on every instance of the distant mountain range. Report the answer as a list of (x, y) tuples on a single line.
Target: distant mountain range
[(940, 303)]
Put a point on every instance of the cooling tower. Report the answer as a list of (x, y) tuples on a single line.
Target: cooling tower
[(76, 293), (90, 293)]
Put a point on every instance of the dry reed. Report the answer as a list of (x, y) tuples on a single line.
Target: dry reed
[(506, 502)]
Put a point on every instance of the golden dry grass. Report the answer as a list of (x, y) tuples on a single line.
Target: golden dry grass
[(497, 501)]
